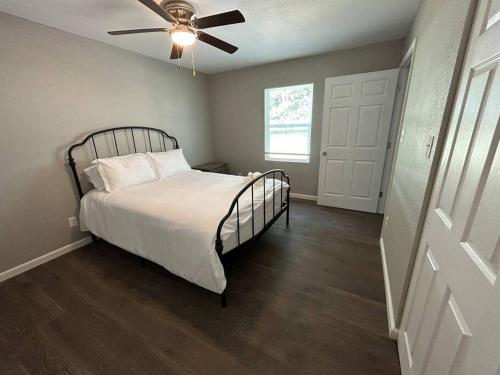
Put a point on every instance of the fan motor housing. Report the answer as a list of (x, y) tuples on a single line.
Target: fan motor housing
[(182, 11)]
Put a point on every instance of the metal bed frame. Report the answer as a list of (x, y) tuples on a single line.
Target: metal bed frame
[(284, 206)]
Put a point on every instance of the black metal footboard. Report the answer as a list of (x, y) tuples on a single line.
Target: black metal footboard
[(284, 206)]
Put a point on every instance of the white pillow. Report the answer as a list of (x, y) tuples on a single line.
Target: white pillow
[(120, 172), (94, 177), (168, 163)]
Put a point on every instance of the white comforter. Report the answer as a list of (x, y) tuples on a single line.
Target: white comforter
[(173, 222)]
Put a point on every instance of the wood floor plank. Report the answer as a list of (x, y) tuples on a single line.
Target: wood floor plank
[(308, 299)]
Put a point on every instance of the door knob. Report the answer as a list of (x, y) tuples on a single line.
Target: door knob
[(323, 153)]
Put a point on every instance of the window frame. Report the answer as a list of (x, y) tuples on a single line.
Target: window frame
[(267, 154)]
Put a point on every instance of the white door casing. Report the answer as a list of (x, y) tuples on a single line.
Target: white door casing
[(356, 119), (451, 321), (400, 99)]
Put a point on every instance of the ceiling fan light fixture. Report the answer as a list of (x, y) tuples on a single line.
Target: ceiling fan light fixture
[(183, 36), (186, 26)]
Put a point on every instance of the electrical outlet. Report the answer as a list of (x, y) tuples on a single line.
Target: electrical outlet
[(73, 222)]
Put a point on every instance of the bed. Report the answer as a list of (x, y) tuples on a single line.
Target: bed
[(186, 222)]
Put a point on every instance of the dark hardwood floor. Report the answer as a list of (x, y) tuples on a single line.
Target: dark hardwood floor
[(303, 300)]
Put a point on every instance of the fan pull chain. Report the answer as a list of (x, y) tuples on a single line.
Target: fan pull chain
[(192, 60), (178, 58)]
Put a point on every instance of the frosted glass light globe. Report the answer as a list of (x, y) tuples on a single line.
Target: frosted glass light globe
[(182, 36)]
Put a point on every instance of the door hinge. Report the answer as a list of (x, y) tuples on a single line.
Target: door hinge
[(398, 87), (389, 145), (380, 194)]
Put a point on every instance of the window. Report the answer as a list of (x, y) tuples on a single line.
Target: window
[(288, 114)]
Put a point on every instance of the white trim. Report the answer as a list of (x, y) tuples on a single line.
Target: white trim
[(304, 196), (389, 163), (43, 259), (393, 331), (409, 54), (493, 20)]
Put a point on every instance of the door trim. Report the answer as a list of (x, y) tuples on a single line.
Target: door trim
[(408, 58)]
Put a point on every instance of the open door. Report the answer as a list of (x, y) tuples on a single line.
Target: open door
[(356, 120), (451, 321)]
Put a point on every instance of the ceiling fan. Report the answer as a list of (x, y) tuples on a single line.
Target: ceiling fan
[(186, 26)]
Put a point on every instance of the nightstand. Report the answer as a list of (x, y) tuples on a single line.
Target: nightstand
[(214, 167)]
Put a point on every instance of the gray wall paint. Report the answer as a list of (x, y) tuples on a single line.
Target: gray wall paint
[(441, 28), (56, 87), (237, 106)]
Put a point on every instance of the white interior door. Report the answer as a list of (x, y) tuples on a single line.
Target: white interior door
[(451, 322), (356, 119)]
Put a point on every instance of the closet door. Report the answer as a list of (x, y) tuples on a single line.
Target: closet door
[(357, 113)]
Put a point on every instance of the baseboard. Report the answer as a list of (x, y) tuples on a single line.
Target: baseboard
[(304, 196), (393, 331), (43, 259)]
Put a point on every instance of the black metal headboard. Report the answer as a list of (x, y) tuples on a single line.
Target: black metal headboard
[(113, 132)]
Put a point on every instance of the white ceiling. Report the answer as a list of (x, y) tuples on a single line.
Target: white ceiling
[(274, 29)]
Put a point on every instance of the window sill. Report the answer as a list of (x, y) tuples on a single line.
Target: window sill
[(308, 161)]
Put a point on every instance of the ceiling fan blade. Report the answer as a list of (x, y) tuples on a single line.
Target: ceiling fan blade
[(216, 42), (176, 52), (136, 31), (158, 10), (221, 19)]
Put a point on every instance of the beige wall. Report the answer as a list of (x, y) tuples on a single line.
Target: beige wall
[(237, 106), (56, 87), (441, 28)]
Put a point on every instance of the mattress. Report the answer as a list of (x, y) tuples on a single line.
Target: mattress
[(173, 222)]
